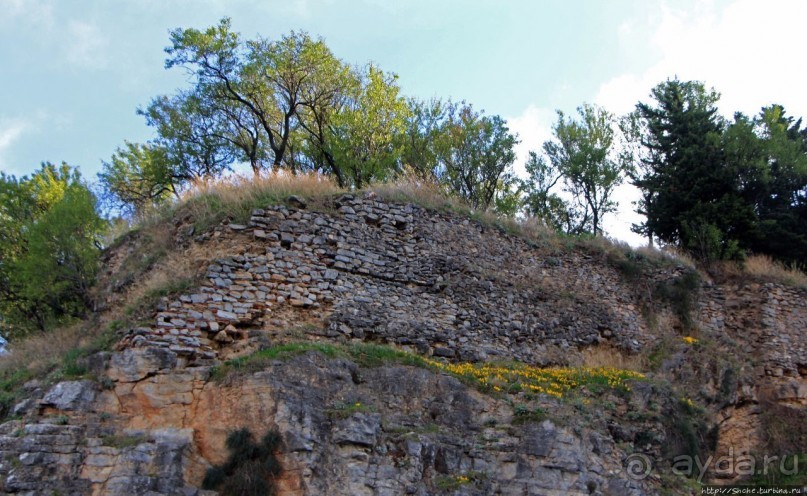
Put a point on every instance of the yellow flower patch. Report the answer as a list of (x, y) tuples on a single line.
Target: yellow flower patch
[(550, 381)]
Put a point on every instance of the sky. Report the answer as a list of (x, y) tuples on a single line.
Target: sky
[(73, 72)]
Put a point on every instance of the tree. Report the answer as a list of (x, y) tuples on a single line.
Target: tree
[(140, 177), (323, 85), (782, 209), (323, 100), (270, 80), (691, 194), (539, 200), (423, 128), (365, 132), (583, 152), (475, 154), (199, 137), (633, 129), (48, 256), (770, 156)]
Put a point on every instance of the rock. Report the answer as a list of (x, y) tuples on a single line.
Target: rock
[(441, 351), (296, 202), (286, 239), (360, 429), (70, 395), (427, 281), (23, 406), (131, 365), (223, 314)]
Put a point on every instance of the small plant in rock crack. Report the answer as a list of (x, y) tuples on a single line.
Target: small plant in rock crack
[(342, 410), (251, 469)]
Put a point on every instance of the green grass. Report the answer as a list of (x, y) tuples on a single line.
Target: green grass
[(365, 355), (122, 441), (496, 378), (448, 483), (140, 311), (10, 386)]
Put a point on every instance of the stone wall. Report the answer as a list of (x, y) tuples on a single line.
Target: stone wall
[(372, 270), (770, 320)]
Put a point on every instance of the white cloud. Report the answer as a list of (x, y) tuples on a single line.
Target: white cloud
[(85, 45), (37, 12), (10, 132), (748, 50), (533, 126)]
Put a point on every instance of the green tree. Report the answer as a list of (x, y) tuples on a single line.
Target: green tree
[(48, 255), (539, 199), (257, 82), (365, 132), (198, 137), (583, 152), (475, 154), (782, 208), (140, 177), (770, 156), (423, 127), (691, 194)]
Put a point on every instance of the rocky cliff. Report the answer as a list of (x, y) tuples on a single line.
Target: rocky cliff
[(153, 415)]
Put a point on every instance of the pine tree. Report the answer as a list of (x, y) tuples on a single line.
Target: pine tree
[(691, 194)]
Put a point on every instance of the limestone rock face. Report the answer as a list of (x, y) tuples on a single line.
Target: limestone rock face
[(134, 364), (70, 395)]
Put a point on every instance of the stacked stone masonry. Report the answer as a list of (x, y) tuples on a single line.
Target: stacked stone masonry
[(400, 274), (769, 319)]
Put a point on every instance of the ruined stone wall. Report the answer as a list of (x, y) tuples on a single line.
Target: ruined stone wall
[(769, 319), (400, 274)]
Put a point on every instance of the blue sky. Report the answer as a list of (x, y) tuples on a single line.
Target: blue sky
[(72, 73)]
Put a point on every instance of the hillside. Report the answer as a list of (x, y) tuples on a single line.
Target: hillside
[(408, 348)]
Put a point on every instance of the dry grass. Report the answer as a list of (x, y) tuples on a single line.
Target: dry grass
[(235, 197), (426, 194), (38, 353), (609, 357), (765, 267)]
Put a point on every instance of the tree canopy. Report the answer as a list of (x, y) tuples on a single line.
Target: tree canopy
[(49, 226), (719, 189)]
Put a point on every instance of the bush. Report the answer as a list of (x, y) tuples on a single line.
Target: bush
[(251, 469)]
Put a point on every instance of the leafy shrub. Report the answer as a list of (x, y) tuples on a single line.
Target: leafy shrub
[(251, 469), (49, 258), (524, 415)]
